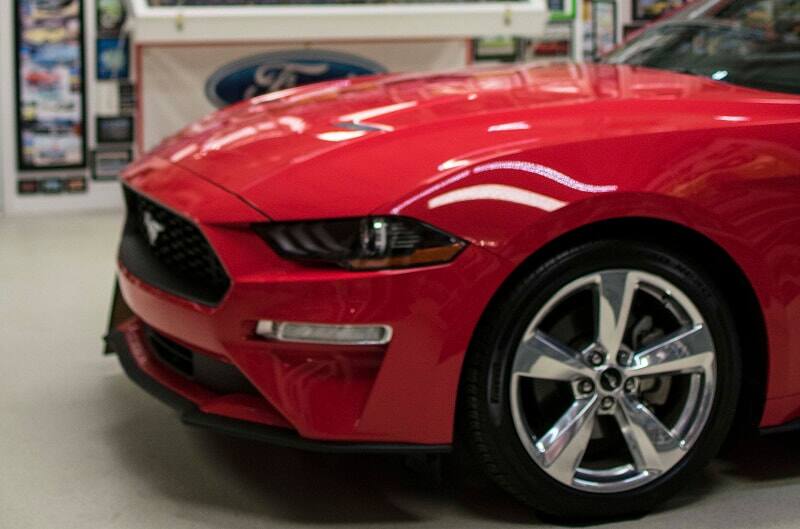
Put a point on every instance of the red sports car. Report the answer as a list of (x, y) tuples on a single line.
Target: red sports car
[(586, 277)]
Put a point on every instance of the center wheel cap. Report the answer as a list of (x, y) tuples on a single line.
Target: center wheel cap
[(610, 379)]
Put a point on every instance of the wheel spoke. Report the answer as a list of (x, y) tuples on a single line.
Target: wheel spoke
[(687, 351), (562, 447), (653, 446), (615, 295), (543, 357)]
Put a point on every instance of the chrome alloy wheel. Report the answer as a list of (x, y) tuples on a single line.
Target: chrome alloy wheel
[(613, 381)]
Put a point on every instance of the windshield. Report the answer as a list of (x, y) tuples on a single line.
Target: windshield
[(755, 43)]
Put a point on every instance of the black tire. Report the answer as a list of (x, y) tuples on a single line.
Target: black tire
[(485, 422)]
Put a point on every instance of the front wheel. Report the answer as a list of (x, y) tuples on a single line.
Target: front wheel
[(607, 377)]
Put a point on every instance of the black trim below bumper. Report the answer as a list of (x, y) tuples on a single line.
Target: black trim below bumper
[(789, 427), (192, 416)]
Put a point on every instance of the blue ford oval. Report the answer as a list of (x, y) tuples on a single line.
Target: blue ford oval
[(273, 71)]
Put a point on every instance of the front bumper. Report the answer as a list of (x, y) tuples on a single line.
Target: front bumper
[(402, 393), (128, 339)]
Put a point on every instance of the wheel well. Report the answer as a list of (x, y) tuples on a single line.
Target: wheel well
[(715, 260)]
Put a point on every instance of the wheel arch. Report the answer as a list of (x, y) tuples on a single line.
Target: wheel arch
[(716, 261)]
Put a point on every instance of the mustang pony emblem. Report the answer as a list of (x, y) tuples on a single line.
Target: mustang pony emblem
[(153, 227)]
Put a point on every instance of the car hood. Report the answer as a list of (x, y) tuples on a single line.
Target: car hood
[(353, 147)]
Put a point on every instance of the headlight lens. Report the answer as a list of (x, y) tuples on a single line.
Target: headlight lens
[(362, 244)]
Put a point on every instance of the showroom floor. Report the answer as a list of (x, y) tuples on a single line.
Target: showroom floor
[(82, 447)]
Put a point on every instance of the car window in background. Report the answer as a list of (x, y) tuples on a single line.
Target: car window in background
[(754, 43)]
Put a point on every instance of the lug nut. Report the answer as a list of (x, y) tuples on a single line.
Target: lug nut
[(607, 403), (596, 358), (623, 357), (631, 385), (586, 386)]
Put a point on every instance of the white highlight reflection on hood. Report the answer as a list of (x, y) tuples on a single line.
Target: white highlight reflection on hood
[(500, 192), (515, 125), (293, 123), (183, 153), (217, 143), (377, 112), (547, 172)]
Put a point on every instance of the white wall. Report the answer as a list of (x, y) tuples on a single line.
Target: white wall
[(101, 195)]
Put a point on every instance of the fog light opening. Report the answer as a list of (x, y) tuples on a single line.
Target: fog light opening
[(284, 331)]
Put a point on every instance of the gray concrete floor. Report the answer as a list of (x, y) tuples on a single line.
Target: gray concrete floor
[(81, 446)]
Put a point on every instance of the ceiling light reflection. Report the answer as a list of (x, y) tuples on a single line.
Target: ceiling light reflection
[(377, 112), (215, 144), (293, 123), (734, 119), (183, 153), (341, 135), (514, 125)]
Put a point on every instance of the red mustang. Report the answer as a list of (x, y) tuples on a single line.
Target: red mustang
[(586, 276)]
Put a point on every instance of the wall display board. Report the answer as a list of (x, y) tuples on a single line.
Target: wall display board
[(51, 110), (181, 84)]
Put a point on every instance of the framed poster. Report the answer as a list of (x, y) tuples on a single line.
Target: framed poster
[(51, 186), (112, 58), (75, 184), (110, 16), (27, 186), (108, 164), (117, 129), (604, 26), (561, 10), (502, 49), (126, 98), (51, 106)]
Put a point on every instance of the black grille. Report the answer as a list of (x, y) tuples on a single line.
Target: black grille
[(169, 252), (220, 377)]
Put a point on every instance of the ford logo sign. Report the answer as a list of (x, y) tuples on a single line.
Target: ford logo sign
[(269, 72)]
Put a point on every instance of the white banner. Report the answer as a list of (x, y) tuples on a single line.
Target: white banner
[(181, 84)]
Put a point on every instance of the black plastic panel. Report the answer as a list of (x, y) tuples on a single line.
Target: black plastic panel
[(220, 377)]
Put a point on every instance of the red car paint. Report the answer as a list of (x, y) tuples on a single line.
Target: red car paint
[(508, 159)]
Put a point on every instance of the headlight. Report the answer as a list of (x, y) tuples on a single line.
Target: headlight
[(362, 244)]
